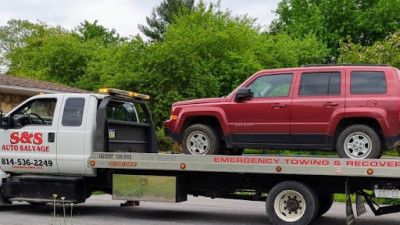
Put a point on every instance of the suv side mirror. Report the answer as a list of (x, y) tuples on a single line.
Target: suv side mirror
[(243, 93)]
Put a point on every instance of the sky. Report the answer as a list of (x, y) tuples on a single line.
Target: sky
[(121, 15)]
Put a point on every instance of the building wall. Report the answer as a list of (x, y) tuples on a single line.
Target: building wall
[(9, 101)]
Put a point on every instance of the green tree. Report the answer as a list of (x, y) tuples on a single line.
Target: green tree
[(115, 66), (92, 31), (67, 57), (208, 52), (333, 20), (205, 53), (162, 17), (14, 35), (57, 55), (381, 52)]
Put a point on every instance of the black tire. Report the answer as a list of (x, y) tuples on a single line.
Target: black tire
[(325, 203), (367, 147), (200, 139), (286, 202)]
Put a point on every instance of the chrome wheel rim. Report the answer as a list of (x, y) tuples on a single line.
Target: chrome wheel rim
[(358, 145), (290, 205), (198, 143)]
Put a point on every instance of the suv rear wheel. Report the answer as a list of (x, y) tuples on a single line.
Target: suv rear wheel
[(200, 139), (359, 142)]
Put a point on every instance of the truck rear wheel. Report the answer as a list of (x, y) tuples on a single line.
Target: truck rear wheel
[(292, 202), (200, 139), (359, 142)]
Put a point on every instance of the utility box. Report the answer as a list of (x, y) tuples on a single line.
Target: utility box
[(148, 188)]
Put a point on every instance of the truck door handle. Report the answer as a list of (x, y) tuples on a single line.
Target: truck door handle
[(331, 104), (278, 106), (51, 137)]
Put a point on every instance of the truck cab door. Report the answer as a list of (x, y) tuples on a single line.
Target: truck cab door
[(72, 135), (28, 145)]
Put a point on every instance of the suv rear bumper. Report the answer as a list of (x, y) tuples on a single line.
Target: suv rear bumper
[(392, 141)]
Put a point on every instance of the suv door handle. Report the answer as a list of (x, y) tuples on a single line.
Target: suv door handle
[(278, 106), (331, 104)]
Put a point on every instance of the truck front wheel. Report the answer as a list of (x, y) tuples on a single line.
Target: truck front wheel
[(200, 139), (292, 202), (359, 142)]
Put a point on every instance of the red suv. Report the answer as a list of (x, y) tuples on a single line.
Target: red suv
[(351, 109)]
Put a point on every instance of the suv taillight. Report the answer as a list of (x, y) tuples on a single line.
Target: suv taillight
[(398, 108)]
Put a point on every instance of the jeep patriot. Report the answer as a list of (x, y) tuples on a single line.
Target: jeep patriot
[(351, 109)]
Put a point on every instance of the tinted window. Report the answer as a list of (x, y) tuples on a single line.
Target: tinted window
[(73, 112), (124, 111), (271, 85), (312, 84), (368, 82)]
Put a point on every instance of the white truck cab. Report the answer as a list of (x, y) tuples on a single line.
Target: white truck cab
[(52, 134), (47, 140)]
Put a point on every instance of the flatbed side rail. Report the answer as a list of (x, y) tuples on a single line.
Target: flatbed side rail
[(258, 164)]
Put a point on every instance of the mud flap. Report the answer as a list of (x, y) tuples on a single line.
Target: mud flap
[(3, 176), (360, 207), (349, 209), (3, 201)]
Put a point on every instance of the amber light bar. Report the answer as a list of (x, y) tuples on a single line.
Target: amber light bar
[(114, 91)]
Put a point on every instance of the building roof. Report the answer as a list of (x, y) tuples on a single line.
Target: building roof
[(28, 86)]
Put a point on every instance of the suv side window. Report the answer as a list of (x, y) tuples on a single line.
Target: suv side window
[(73, 112), (314, 84), (38, 111), (271, 85), (368, 82)]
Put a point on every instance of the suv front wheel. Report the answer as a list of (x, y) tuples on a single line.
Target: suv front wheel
[(359, 142), (200, 139)]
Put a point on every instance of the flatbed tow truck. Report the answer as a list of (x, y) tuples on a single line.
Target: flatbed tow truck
[(99, 142)]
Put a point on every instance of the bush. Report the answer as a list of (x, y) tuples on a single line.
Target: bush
[(164, 143)]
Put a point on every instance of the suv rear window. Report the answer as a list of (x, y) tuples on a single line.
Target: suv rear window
[(368, 82), (312, 84)]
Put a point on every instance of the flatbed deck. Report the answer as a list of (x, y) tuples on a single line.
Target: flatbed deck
[(257, 164)]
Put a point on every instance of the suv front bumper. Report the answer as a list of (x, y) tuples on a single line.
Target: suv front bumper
[(177, 137)]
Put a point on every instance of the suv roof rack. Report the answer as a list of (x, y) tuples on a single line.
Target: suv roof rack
[(320, 65)]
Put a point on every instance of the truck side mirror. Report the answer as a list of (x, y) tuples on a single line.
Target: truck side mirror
[(243, 93), (4, 121), (1, 119)]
